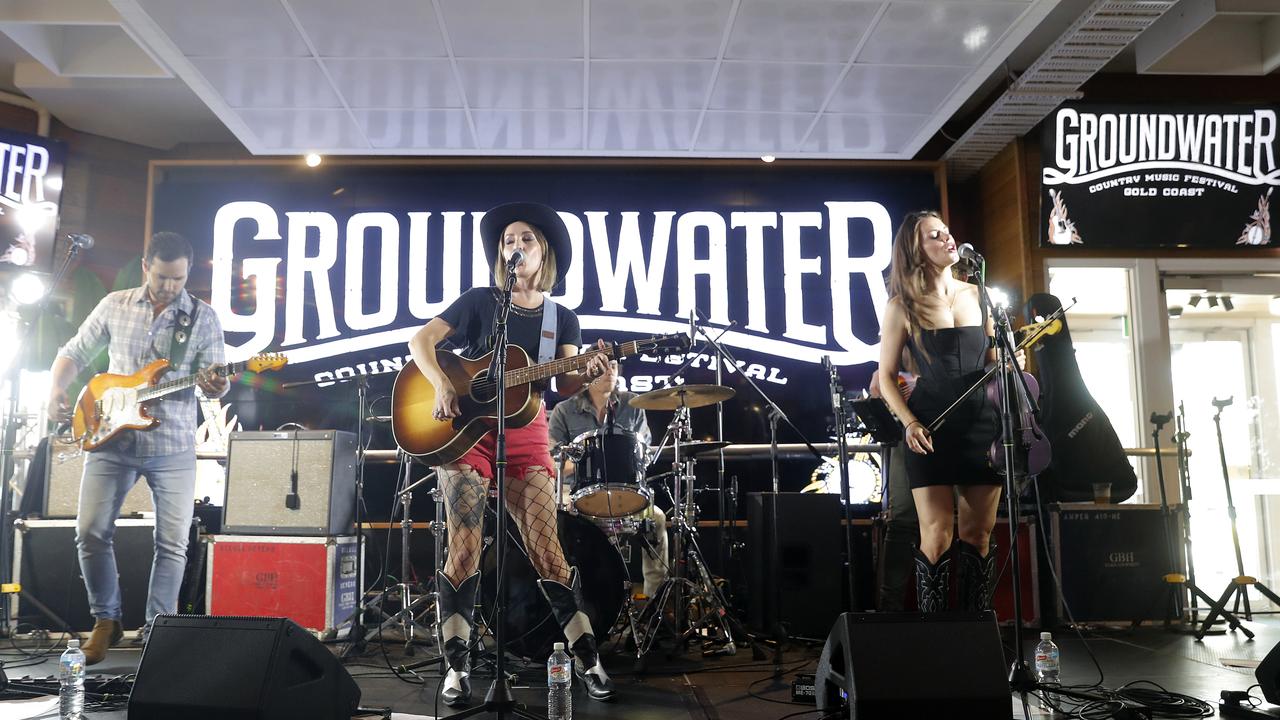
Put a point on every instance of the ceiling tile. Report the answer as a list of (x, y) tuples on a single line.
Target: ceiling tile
[(752, 132), (532, 130), (503, 29), (864, 134), (387, 83), (228, 28), (288, 130), (895, 89), (370, 28), (773, 86), (415, 129), (263, 82), (814, 30), (674, 29), (955, 33), (523, 84), (639, 131), (640, 84)]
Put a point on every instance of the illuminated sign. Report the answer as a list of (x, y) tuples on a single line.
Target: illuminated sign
[(1138, 176), (30, 188)]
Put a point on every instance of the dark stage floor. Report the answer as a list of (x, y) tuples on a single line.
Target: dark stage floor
[(738, 687)]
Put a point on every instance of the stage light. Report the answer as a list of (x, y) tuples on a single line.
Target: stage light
[(313, 159), (53, 183), (999, 297), (768, 158), (1227, 304), (1213, 301), (27, 288), (1195, 300)]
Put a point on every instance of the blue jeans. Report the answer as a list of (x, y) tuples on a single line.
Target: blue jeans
[(108, 477)]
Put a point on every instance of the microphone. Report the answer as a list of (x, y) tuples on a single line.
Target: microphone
[(81, 240), (693, 326), (515, 261), (969, 255)]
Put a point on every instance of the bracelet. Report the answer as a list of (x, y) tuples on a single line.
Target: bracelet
[(913, 422)]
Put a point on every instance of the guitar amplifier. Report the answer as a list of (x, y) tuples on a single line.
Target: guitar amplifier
[(1111, 560), (290, 483), (64, 468)]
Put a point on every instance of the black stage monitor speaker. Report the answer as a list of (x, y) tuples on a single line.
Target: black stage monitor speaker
[(807, 584), (239, 668), (1268, 675), (887, 666), (290, 483)]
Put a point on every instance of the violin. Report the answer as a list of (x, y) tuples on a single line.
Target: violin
[(1032, 451)]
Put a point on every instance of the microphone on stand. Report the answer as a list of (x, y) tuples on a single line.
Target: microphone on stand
[(515, 261), (693, 325), (970, 256), (81, 240)]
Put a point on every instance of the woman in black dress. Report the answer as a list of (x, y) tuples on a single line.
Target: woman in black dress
[(940, 320), (467, 324)]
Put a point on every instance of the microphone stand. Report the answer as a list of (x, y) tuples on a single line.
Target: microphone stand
[(499, 699), (775, 413), (8, 464), (841, 419), (1020, 678)]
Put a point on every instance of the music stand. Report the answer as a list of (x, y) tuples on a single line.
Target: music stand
[(878, 419)]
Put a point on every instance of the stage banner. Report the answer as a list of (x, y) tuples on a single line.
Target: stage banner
[(338, 266), (30, 190), (1154, 176)]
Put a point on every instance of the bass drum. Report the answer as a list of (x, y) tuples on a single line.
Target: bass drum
[(527, 621)]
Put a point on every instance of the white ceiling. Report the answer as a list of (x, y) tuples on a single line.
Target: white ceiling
[(866, 79), (706, 78)]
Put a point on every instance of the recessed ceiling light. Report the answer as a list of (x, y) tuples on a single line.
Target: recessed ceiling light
[(767, 158), (313, 159)]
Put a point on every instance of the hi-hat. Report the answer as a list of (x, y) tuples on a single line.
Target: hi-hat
[(690, 396), (690, 449)]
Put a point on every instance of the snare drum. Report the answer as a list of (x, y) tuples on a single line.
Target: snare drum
[(610, 479)]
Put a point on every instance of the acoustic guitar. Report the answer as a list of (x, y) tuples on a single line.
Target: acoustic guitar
[(111, 403), (439, 442)]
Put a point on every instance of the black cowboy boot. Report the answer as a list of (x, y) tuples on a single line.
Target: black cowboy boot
[(976, 577), (454, 608), (933, 581), (566, 605)]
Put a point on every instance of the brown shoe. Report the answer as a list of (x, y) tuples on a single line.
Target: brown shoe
[(105, 634)]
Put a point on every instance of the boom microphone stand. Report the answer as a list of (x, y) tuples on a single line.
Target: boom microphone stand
[(499, 699), (1239, 585)]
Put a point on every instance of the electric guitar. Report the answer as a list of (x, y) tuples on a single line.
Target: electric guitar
[(111, 403), (439, 442)]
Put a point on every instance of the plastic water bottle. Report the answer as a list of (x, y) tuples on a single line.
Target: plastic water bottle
[(71, 681), (559, 682), (1048, 659)]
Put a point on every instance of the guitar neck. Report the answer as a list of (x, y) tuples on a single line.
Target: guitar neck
[(542, 371), (182, 383)]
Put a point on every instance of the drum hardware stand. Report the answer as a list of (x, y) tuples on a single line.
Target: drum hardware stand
[(1175, 581), (404, 617), (1239, 585)]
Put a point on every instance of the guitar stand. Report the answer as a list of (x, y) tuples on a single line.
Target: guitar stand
[(1238, 587), (1174, 581)]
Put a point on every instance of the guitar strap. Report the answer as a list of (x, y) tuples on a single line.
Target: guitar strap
[(184, 325), (547, 339)]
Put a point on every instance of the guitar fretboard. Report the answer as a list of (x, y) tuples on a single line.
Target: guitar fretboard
[(525, 375), (182, 383)]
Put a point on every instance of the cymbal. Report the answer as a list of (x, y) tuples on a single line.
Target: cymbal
[(690, 396), (691, 449)]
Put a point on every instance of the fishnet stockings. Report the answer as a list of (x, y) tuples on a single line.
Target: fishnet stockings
[(531, 502)]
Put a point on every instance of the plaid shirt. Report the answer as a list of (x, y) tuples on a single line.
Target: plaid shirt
[(125, 323), (576, 415)]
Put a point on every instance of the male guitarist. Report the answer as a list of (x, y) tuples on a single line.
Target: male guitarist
[(159, 320)]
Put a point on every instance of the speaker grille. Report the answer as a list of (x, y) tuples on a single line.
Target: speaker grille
[(62, 486), (260, 472)]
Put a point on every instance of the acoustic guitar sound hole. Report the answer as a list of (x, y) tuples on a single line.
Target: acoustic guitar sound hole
[(483, 390)]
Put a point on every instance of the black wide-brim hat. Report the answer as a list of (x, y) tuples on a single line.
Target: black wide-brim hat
[(544, 218)]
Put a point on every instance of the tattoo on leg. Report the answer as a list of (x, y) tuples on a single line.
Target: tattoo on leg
[(465, 492)]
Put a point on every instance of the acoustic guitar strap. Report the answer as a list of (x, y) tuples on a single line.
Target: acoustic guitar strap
[(547, 339)]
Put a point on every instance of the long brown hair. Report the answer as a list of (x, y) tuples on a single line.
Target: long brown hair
[(908, 273)]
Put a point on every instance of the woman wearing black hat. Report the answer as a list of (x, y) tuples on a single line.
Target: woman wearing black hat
[(539, 233)]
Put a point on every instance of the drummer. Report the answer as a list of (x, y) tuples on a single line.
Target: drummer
[(601, 406)]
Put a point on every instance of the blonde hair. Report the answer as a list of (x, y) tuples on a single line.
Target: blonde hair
[(908, 273), (546, 274)]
